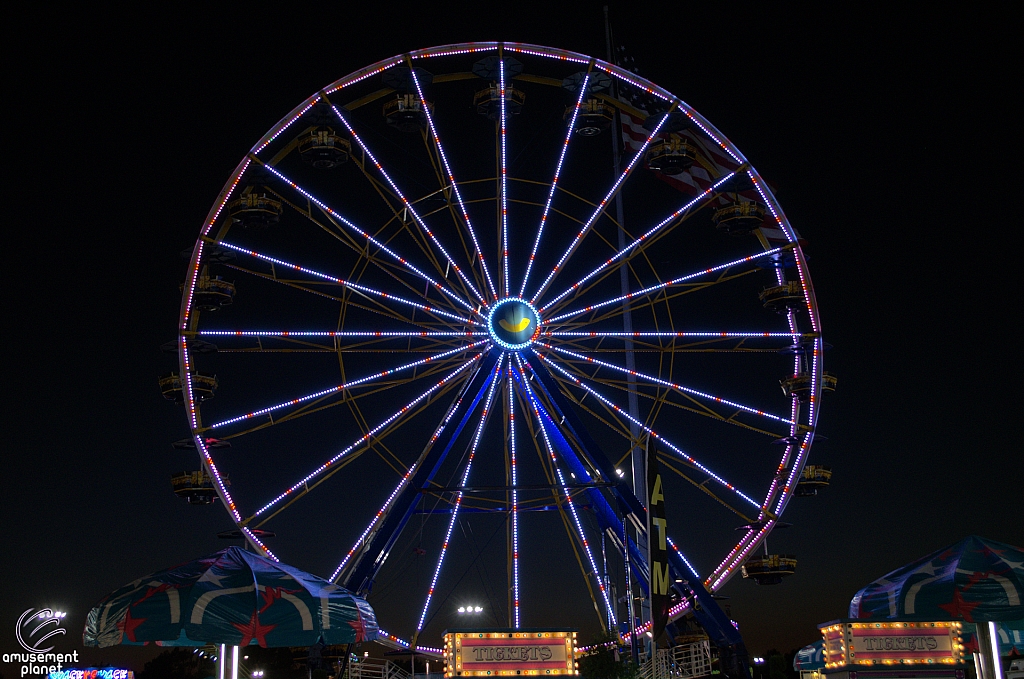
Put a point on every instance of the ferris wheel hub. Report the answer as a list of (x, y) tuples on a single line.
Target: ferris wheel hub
[(513, 323)]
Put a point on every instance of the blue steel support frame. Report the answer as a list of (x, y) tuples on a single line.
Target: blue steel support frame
[(707, 611), (360, 575)]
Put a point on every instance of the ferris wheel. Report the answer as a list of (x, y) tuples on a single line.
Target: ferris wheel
[(441, 310)]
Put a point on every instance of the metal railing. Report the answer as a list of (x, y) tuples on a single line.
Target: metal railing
[(372, 668), (685, 661)]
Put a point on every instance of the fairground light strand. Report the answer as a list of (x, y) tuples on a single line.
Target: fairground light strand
[(515, 495), (365, 437), (379, 516), (682, 556), (597, 212), (661, 286), (683, 454), (451, 179), (458, 497), (502, 128), (666, 383), (524, 382), (640, 333), (650, 232), (376, 243), (384, 334), (344, 283), (554, 182), (346, 385), (408, 205)]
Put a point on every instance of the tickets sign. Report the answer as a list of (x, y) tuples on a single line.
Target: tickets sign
[(510, 652), (849, 643)]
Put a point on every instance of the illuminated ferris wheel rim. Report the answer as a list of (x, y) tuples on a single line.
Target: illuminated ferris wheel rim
[(491, 297)]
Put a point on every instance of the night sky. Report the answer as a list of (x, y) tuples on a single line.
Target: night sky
[(888, 138)]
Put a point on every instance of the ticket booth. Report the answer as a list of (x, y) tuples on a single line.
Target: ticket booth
[(893, 649)]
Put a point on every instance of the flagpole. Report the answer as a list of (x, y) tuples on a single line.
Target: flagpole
[(637, 459)]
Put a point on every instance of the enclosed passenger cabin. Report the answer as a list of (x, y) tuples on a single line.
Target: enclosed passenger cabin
[(595, 117), (323, 149), (488, 101), (799, 386), (255, 208), (671, 156), (595, 114), (197, 488), (739, 217), (770, 568), (405, 113), (783, 298), (213, 292), (203, 387), (814, 478)]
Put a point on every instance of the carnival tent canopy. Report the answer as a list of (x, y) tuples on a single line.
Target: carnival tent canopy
[(974, 580), (810, 657), (230, 597)]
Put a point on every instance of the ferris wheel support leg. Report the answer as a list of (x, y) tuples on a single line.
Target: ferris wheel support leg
[(607, 517), (712, 618), (361, 573), (595, 456)]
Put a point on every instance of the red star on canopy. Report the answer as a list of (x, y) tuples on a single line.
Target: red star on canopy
[(150, 591), (978, 576), (360, 627), (988, 551), (253, 630), (272, 594), (128, 625), (960, 608)]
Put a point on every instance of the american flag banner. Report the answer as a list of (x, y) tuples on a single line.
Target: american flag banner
[(713, 162)]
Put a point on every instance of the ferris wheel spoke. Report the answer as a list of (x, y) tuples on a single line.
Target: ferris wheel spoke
[(532, 399), (400, 216), (381, 514), (408, 205), (503, 207), (369, 379), (400, 413), (450, 175), (637, 342), (650, 302), (676, 342), (669, 463), (338, 218), (391, 269), (368, 341), (661, 286), (376, 443), (675, 548), (621, 412), (665, 383), (696, 407), (622, 252), (323, 403), (554, 182), (548, 465), (488, 401), (597, 212), (348, 299), (515, 495), (368, 291)]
